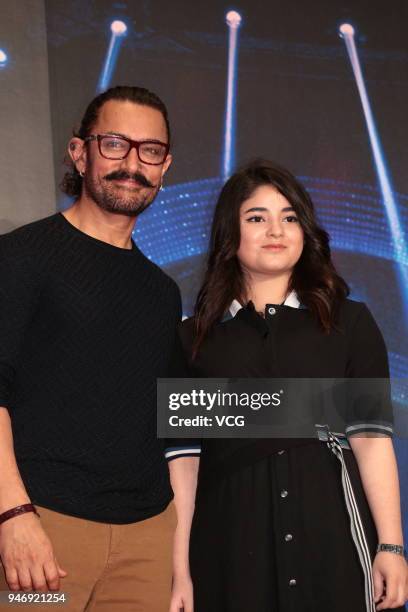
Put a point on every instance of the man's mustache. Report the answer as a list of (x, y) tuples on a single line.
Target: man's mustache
[(122, 175)]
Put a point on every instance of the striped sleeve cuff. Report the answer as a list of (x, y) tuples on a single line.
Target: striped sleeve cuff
[(379, 427), (174, 452)]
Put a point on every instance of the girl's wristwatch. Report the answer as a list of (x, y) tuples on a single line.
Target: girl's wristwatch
[(394, 548)]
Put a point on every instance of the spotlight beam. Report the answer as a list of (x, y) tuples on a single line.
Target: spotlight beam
[(118, 31), (346, 31), (233, 20)]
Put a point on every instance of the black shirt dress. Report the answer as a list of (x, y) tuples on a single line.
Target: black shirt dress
[(283, 525)]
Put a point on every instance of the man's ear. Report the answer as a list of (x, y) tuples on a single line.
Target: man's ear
[(166, 164), (77, 152)]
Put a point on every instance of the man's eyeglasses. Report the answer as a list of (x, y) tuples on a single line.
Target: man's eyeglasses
[(151, 152)]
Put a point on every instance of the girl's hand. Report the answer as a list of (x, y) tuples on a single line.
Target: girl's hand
[(390, 574)]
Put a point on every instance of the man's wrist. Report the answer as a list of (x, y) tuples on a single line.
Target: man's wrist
[(12, 501), (181, 570), (17, 511)]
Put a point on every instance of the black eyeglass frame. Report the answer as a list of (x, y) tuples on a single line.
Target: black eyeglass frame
[(133, 144)]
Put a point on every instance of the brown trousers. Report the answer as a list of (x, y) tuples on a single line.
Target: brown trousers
[(111, 568)]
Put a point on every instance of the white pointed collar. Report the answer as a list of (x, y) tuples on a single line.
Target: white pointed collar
[(291, 300)]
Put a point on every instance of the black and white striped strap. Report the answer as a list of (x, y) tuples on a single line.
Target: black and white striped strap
[(357, 529)]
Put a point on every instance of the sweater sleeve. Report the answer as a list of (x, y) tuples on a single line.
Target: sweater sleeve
[(19, 290), (181, 447), (370, 405)]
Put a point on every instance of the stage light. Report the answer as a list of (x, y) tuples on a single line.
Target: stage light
[(3, 58), (390, 204), (346, 29), (118, 29), (233, 20)]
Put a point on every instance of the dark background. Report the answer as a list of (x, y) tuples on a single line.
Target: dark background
[(297, 100)]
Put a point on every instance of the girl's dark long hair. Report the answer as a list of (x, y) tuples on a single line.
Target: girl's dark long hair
[(314, 277)]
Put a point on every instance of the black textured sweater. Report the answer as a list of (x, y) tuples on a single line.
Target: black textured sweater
[(85, 330)]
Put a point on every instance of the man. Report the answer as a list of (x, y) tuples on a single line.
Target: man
[(87, 324)]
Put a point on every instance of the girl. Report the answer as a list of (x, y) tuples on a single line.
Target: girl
[(285, 524)]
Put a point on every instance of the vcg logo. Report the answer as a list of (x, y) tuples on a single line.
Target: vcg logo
[(230, 421)]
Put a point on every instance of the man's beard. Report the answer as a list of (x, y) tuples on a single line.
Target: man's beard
[(108, 197)]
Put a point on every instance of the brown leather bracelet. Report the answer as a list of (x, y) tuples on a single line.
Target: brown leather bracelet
[(16, 511)]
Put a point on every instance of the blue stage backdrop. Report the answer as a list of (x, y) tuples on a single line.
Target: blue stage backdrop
[(320, 87)]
